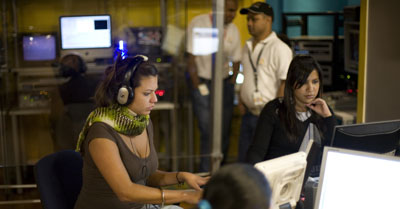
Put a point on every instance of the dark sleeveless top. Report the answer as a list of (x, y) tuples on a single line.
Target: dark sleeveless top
[(96, 193)]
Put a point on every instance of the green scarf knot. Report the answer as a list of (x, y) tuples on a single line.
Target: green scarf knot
[(119, 117)]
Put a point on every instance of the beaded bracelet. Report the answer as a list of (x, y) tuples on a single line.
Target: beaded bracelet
[(177, 179)]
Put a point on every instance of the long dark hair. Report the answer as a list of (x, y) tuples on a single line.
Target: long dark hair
[(107, 91), (299, 70), (238, 185)]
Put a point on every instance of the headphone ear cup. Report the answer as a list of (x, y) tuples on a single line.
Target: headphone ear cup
[(125, 95)]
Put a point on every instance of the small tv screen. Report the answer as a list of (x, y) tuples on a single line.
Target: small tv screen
[(40, 47), (85, 32)]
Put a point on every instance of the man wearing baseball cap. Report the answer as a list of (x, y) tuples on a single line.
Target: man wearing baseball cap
[(265, 63)]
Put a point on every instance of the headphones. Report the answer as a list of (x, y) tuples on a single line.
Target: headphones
[(125, 91)]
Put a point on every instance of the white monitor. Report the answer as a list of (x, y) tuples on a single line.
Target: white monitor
[(353, 179), (285, 175), (88, 36)]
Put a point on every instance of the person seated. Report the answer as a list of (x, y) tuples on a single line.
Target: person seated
[(236, 185), (72, 101), (79, 88), (287, 124), (120, 163)]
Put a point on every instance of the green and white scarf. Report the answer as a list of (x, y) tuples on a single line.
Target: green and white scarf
[(119, 117)]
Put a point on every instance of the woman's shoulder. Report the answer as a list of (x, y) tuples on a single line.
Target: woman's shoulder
[(101, 130), (272, 106)]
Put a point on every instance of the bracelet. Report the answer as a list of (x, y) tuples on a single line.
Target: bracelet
[(179, 182), (162, 197)]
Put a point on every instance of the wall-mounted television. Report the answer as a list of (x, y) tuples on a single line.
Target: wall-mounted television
[(86, 35), (38, 49)]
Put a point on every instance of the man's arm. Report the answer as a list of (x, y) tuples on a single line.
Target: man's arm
[(281, 89), (192, 69), (235, 70)]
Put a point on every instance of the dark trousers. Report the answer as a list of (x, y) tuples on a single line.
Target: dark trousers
[(247, 129), (201, 108)]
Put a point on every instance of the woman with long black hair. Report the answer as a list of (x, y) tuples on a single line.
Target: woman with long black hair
[(286, 124)]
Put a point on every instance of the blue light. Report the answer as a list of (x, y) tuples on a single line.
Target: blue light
[(122, 49), (121, 45)]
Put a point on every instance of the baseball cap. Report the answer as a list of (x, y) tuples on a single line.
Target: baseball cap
[(259, 7)]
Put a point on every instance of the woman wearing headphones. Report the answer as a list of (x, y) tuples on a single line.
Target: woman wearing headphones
[(120, 162)]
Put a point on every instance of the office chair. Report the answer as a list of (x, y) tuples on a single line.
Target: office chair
[(59, 179)]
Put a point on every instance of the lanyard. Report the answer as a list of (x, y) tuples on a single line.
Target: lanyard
[(255, 67)]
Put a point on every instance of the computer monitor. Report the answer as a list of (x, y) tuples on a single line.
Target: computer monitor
[(379, 137), (352, 179), (38, 49), (285, 176), (86, 35)]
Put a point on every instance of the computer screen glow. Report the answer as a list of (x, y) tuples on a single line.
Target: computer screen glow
[(358, 180), (39, 47), (80, 32)]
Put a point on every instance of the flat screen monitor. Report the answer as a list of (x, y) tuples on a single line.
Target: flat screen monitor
[(352, 179), (380, 137), (87, 35), (38, 49)]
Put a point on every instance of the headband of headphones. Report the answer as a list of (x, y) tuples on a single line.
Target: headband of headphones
[(125, 92)]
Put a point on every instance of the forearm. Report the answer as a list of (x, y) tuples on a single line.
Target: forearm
[(329, 123), (150, 195), (235, 70), (162, 178), (281, 89), (192, 69)]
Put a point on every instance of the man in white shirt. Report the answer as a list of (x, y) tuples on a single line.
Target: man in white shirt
[(199, 68), (265, 63)]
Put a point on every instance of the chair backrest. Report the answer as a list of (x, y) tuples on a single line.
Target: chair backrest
[(59, 179)]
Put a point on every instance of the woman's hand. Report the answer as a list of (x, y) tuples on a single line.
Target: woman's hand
[(320, 107), (192, 180), (192, 196)]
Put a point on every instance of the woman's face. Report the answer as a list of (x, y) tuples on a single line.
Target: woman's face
[(145, 96), (307, 92)]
